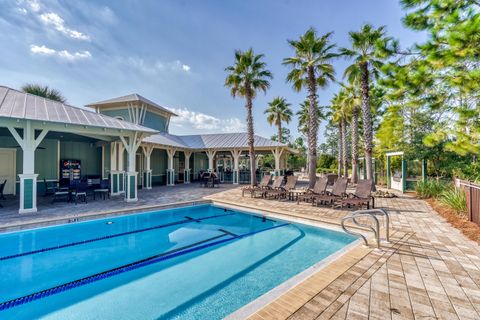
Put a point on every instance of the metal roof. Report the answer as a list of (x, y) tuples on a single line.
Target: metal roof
[(134, 97), (20, 105), (211, 141)]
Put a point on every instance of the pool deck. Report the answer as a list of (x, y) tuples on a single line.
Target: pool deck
[(429, 270)]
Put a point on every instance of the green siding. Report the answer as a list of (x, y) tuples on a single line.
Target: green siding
[(132, 187), (158, 164), (117, 113), (28, 194), (89, 155), (200, 163), (155, 121)]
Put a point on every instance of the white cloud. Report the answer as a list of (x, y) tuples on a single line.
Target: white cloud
[(64, 54), (204, 123), (34, 5), (42, 50), (153, 68), (54, 20)]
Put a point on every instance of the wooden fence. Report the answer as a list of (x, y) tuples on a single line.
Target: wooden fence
[(472, 192)]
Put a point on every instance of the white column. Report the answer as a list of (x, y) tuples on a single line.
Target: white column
[(277, 153), (170, 167), (147, 171), (211, 156), (187, 154), (28, 179), (131, 147), (236, 157)]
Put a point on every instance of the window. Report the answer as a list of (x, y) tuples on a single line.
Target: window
[(119, 118)]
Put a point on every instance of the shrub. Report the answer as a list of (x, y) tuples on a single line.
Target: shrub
[(455, 198), (430, 188)]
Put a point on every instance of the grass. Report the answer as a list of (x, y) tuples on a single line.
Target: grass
[(430, 188)]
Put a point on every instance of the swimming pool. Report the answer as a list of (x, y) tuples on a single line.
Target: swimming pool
[(195, 262)]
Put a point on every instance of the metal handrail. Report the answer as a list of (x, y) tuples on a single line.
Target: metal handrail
[(378, 212), (372, 214)]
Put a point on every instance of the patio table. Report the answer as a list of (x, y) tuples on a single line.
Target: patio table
[(294, 193)]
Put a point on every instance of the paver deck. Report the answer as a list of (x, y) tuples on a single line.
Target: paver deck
[(428, 271)]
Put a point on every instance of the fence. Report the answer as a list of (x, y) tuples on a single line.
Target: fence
[(472, 193)]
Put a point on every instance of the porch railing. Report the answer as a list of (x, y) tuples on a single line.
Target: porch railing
[(472, 194)]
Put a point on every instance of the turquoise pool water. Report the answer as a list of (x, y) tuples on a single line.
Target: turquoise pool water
[(197, 262)]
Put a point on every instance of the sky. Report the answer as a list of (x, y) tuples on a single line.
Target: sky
[(174, 52)]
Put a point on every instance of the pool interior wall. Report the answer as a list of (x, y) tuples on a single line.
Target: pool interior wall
[(195, 262)]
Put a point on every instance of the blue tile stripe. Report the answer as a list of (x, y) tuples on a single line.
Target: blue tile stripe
[(116, 235), (125, 268)]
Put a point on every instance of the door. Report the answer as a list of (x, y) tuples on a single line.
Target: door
[(7, 169)]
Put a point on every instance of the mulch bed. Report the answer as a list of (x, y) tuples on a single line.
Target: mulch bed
[(468, 228)]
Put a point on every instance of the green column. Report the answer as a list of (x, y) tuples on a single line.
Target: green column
[(131, 186), (404, 174), (28, 193)]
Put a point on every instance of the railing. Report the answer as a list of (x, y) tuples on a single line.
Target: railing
[(472, 194), (372, 215)]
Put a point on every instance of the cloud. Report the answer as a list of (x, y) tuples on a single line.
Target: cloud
[(42, 50), (54, 20), (204, 123), (155, 67), (63, 54)]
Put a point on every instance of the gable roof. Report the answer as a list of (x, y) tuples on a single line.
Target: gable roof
[(211, 141), (134, 97), (20, 105)]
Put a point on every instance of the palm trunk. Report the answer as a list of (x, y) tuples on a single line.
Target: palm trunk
[(344, 148), (251, 139), (340, 149), (367, 120), (312, 128), (354, 135), (279, 130)]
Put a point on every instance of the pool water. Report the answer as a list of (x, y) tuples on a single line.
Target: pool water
[(196, 262)]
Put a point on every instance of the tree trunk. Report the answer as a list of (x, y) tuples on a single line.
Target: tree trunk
[(354, 137), (367, 120), (251, 139), (340, 150), (312, 127), (344, 148), (279, 130)]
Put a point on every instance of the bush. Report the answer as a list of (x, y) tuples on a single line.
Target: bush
[(455, 198), (430, 188)]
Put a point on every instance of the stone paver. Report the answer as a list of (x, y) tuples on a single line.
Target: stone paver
[(428, 271)]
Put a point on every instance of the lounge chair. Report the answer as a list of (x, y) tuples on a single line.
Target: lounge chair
[(277, 183), (261, 186), (282, 192), (338, 192), (318, 189), (362, 195)]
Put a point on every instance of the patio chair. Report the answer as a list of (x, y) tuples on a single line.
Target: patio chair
[(318, 189), (80, 192), (277, 183), (102, 189), (361, 196), (261, 186), (2, 188), (338, 191), (282, 192), (49, 188)]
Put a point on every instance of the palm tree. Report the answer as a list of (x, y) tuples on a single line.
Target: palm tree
[(311, 68), (352, 99), (279, 110), (44, 91), (370, 47), (245, 77), (340, 113), (303, 121)]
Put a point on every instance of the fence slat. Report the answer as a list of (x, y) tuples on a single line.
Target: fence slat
[(472, 194)]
